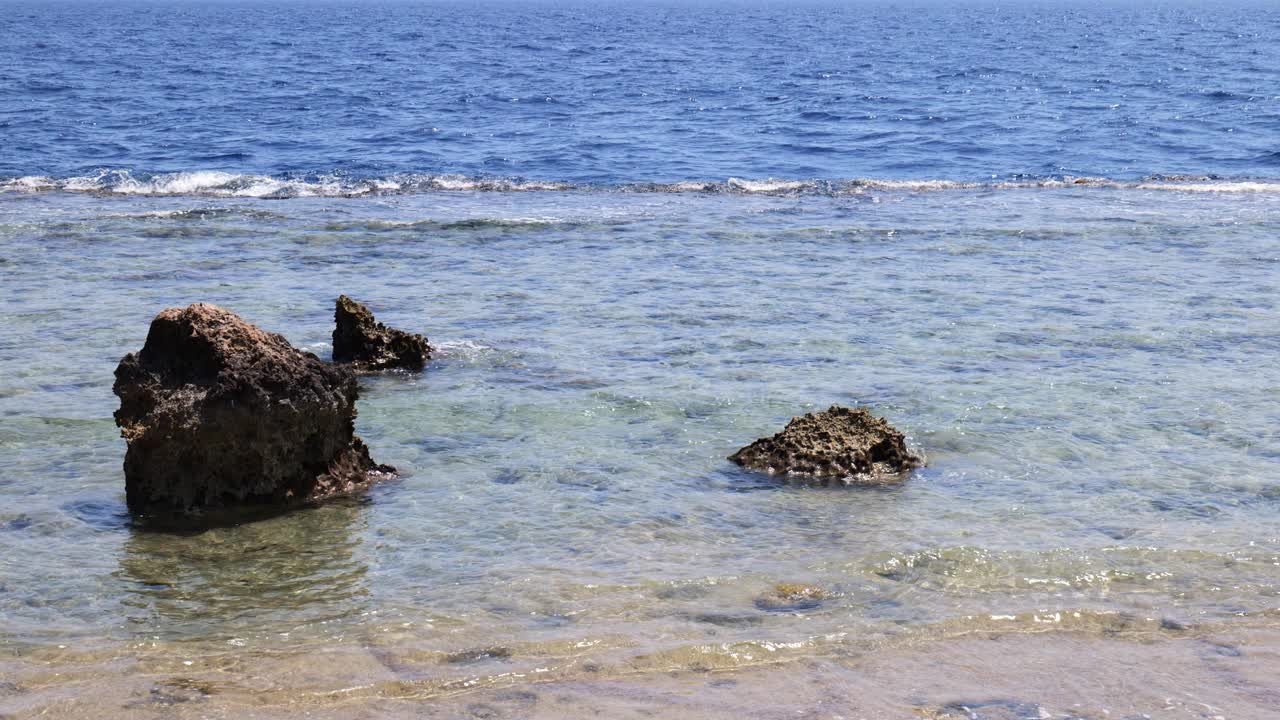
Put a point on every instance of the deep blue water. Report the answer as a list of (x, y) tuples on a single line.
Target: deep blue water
[(615, 94)]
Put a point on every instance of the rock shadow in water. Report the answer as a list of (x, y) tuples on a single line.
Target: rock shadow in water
[(249, 578)]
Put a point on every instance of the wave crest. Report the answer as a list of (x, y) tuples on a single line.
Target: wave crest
[(214, 183)]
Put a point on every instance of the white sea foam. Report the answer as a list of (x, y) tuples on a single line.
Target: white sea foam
[(192, 183), (690, 186), (1239, 186), (462, 348), (767, 186), (30, 183), (454, 182), (465, 183), (913, 185), (214, 183), (164, 214), (470, 352)]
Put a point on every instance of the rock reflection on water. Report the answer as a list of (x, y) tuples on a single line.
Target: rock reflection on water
[(269, 575)]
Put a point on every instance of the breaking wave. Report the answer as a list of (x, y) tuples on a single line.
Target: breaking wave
[(210, 183)]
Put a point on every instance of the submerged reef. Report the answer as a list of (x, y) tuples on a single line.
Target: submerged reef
[(220, 414), (840, 443), (367, 345)]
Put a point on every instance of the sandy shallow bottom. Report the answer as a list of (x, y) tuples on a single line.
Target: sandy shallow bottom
[(1225, 673)]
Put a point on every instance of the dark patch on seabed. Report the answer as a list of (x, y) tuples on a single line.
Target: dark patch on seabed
[(990, 709)]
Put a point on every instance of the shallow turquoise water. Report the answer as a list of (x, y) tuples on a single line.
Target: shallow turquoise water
[(1090, 372)]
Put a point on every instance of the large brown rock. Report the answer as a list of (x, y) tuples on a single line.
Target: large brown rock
[(219, 414), (847, 443), (366, 344)]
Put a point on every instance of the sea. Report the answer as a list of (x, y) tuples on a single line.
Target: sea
[(1041, 238)]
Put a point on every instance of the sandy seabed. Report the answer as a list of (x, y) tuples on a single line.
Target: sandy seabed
[(1231, 674)]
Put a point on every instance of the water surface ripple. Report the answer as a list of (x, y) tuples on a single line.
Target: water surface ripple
[(1089, 370), (648, 93), (1042, 239)]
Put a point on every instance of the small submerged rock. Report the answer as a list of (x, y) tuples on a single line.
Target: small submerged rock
[(791, 597), (473, 655), (990, 709), (177, 691), (220, 414), (841, 442), (366, 344), (726, 619)]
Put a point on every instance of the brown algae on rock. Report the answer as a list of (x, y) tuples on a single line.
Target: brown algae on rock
[(845, 443)]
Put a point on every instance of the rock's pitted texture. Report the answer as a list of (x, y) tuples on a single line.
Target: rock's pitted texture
[(367, 344), (220, 414), (841, 442)]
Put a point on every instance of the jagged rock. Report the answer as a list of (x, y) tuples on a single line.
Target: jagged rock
[(220, 414), (848, 443), (366, 344)]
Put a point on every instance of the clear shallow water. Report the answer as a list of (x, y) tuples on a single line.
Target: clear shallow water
[(1090, 372)]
